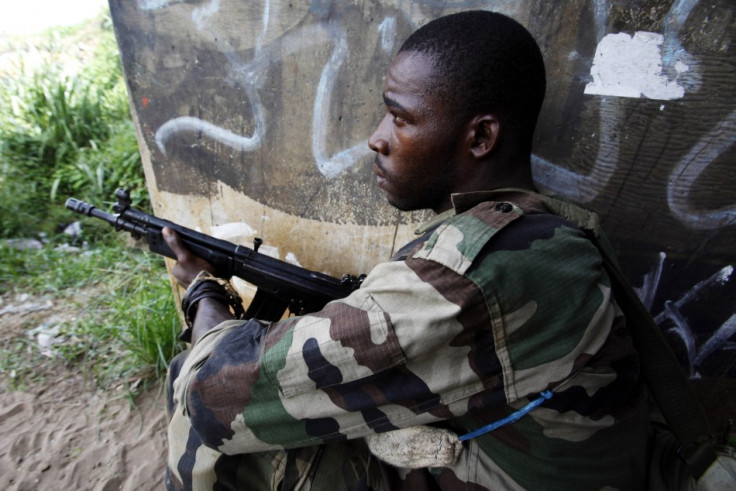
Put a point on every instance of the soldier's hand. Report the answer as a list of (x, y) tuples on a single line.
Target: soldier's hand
[(187, 266)]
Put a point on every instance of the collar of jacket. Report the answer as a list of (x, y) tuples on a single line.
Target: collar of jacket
[(526, 199)]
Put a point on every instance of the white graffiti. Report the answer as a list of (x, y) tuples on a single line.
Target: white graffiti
[(332, 166), (554, 176), (201, 15), (673, 53), (155, 4), (249, 81), (250, 76), (696, 352), (186, 124), (585, 187), (387, 28), (686, 172)]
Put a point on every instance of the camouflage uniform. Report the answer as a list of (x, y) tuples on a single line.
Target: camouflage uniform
[(500, 301)]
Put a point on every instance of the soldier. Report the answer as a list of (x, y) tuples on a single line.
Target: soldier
[(500, 307)]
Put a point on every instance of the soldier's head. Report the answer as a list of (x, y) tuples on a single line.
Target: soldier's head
[(463, 89), (483, 62)]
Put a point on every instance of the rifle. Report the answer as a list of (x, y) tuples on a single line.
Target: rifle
[(279, 285)]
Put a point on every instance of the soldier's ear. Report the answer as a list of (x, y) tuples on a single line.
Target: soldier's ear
[(484, 135)]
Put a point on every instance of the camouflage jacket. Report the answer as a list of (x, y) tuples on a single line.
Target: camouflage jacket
[(500, 301)]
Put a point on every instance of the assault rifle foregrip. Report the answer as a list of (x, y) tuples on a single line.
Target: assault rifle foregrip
[(280, 285)]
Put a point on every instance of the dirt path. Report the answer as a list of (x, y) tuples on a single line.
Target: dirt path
[(61, 436), (59, 431)]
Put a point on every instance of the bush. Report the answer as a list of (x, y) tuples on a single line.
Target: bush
[(70, 134), (64, 135)]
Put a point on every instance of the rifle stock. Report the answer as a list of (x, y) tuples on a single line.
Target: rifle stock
[(280, 285)]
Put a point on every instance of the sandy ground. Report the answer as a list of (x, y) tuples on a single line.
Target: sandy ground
[(62, 433), (60, 436)]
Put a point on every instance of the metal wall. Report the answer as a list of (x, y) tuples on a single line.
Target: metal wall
[(253, 120)]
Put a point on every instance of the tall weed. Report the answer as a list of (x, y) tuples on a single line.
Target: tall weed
[(65, 134), (130, 324), (124, 325), (70, 134), (150, 325)]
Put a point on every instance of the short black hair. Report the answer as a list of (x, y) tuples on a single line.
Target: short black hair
[(484, 61)]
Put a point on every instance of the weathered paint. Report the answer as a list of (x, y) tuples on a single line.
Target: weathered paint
[(631, 66), (253, 119)]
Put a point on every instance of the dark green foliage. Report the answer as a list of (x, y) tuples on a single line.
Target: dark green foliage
[(65, 135), (69, 134)]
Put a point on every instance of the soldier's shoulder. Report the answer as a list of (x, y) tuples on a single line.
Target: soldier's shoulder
[(458, 241)]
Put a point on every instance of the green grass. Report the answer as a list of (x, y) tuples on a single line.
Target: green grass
[(65, 134), (123, 322), (69, 134)]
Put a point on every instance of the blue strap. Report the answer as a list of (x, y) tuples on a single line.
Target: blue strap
[(547, 394)]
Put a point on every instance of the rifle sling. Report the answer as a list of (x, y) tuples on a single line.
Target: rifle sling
[(663, 374)]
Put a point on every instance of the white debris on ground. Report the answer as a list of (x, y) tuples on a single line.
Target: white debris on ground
[(45, 335), (25, 304)]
